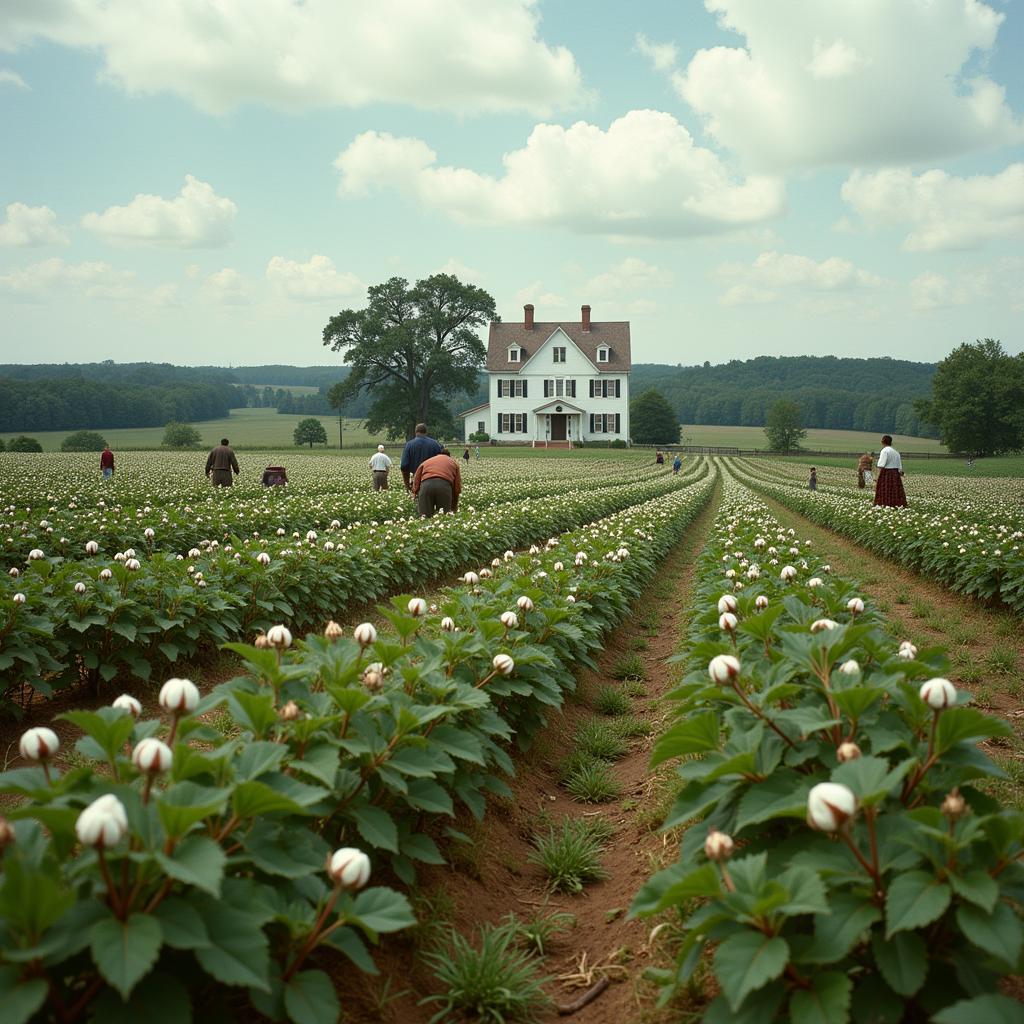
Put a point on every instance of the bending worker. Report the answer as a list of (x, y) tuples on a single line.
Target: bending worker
[(437, 485)]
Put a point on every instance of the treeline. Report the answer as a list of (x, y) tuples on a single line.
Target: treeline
[(80, 403), (832, 392)]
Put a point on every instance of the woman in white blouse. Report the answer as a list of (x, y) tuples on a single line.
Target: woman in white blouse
[(889, 489)]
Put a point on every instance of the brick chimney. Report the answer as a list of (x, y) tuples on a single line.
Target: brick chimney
[(585, 312), (528, 316)]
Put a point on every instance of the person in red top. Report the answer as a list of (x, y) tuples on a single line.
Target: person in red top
[(437, 485), (107, 462)]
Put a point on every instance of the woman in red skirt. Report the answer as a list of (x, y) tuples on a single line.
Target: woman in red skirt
[(889, 488)]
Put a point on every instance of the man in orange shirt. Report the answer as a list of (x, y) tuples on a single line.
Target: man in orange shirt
[(437, 485)]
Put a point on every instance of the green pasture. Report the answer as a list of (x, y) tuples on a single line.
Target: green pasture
[(817, 439)]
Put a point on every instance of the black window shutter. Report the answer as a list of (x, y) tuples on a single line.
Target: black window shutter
[(525, 429), (546, 385), (499, 422), (618, 419), (572, 389), (525, 383), (618, 387), (592, 419), (591, 391)]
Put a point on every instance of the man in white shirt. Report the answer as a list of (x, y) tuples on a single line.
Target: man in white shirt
[(889, 489), (379, 465)]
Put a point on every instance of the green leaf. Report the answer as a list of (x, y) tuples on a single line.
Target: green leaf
[(350, 942), (990, 1009), (673, 886), (259, 757), (185, 803), (870, 778), (978, 887), (901, 960), (182, 925), (20, 999), (251, 799), (31, 900), (827, 1001), (377, 827), (383, 910), (875, 1003), (782, 795), (957, 725), (696, 734), (806, 891), (746, 962), (288, 852), (238, 951), (836, 933), (125, 951), (998, 932), (309, 998), (915, 898), (427, 795), (157, 999), (198, 861)]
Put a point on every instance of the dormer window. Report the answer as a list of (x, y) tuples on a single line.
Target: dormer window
[(513, 355), (602, 354)]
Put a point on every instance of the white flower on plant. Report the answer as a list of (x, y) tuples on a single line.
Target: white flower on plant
[(848, 751), (91, 547), (126, 702), (19, 598), (38, 744), (333, 631), (448, 624), (730, 574), (503, 664), (129, 552), (35, 555), (723, 668), (760, 602), (849, 667), (289, 712), (471, 579), (787, 573), (179, 696), (938, 694), (622, 554), (279, 636), (855, 606), (417, 607), (826, 569), (726, 603), (263, 558), (348, 868), (571, 599), (105, 574), (818, 625), (718, 846), (14, 572), (728, 622), (365, 634), (525, 604), (280, 531), (103, 823), (509, 620), (815, 581), (194, 553), (558, 567), (132, 564), (149, 533), (152, 756), (830, 806)]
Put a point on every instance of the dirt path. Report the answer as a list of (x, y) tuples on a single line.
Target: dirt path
[(493, 877), (986, 644)]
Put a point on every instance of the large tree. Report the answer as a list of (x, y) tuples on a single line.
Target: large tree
[(784, 426), (977, 399), (412, 348), (310, 431), (652, 420)]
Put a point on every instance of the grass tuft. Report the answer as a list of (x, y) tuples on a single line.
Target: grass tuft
[(593, 783), (630, 666), (610, 700), (537, 931), (570, 857), (597, 738)]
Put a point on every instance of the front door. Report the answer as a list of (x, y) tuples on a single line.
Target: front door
[(558, 426)]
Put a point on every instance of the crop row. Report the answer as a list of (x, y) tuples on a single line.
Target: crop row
[(61, 621), (979, 554), (167, 517), (844, 859), (188, 852)]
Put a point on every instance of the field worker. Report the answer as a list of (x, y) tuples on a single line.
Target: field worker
[(219, 464), (465, 455), (864, 471), (437, 485), (107, 462), (478, 451), (889, 489), (379, 466), (416, 451), (677, 464), (659, 459), (812, 484)]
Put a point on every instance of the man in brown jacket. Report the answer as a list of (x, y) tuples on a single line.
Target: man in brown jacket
[(437, 485), (220, 463)]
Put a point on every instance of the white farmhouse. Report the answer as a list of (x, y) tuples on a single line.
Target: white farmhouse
[(555, 384)]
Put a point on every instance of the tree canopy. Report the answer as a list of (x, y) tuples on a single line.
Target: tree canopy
[(24, 444), (977, 400), (784, 426), (652, 420), (83, 441), (415, 347), (310, 431), (180, 435)]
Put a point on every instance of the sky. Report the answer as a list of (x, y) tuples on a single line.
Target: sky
[(209, 181)]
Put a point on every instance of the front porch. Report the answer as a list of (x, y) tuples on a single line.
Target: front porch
[(557, 424)]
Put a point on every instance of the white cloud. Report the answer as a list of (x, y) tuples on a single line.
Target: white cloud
[(642, 178), (466, 274), (196, 218), (934, 291), (226, 287), (663, 56), (625, 279), (8, 77), (42, 281), (312, 281), (31, 225), (547, 305), (774, 274), (850, 82), (463, 55), (164, 295), (941, 210), (996, 283)]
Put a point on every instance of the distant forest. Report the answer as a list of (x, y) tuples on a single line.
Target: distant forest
[(840, 393)]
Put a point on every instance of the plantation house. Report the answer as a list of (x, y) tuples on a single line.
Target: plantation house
[(555, 384)]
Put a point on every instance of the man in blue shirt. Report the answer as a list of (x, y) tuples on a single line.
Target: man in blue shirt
[(416, 451)]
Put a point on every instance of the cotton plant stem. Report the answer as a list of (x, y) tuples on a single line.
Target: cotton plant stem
[(760, 714)]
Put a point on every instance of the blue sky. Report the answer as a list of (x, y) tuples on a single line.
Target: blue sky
[(205, 182)]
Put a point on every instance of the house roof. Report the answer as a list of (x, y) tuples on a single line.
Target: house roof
[(476, 408), (613, 333), (552, 403)]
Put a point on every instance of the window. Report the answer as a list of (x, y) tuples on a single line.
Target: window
[(602, 355), (481, 427), (559, 354), (559, 387), (606, 388), (512, 388), (604, 422), (513, 355), (512, 423)]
